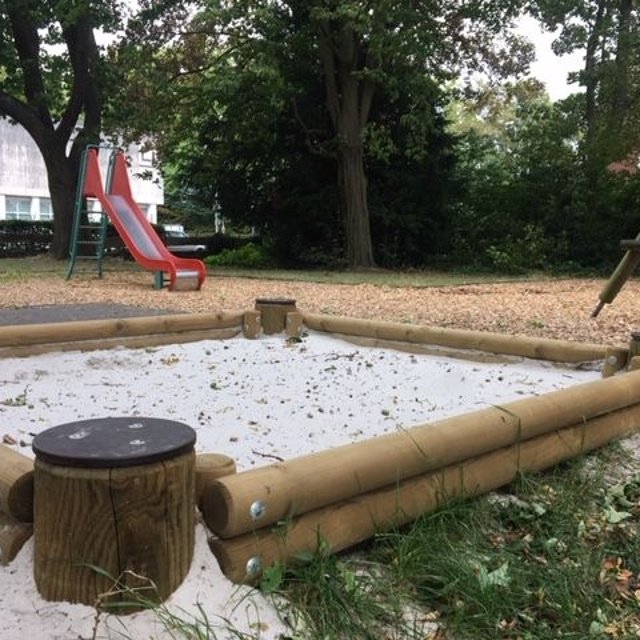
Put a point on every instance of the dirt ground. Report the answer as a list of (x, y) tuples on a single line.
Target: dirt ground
[(550, 308)]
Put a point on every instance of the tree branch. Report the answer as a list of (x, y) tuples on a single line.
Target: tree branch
[(311, 146), (27, 42), (331, 87), (83, 52)]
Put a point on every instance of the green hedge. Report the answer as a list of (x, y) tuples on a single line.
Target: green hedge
[(24, 238)]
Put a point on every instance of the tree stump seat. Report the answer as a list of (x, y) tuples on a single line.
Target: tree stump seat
[(117, 495)]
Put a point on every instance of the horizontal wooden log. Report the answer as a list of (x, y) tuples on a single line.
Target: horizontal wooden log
[(16, 485), (347, 523), (431, 350), (131, 342), (537, 348), (296, 486), (11, 336), (13, 535)]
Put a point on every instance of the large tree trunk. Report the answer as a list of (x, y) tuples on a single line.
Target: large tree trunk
[(352, 181), (349, 103), (61, 174), (84, 97)]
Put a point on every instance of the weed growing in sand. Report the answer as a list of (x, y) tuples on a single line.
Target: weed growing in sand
[(122, 599)]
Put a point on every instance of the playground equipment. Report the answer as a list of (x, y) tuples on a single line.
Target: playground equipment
[(136, 231), (349, 493), (621, 274)]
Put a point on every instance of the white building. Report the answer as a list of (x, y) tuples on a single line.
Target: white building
[(24, 192)]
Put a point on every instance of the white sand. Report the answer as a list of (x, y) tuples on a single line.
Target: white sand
[(253, 400)]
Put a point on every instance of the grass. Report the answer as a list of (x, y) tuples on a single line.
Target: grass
[(43, 265), (35, 266)]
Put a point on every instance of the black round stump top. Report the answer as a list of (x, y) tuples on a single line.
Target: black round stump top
[(101, 443)]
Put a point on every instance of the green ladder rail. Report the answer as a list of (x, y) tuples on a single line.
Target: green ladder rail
[(80, 214)]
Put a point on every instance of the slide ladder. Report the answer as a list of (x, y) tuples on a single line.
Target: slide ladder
[(139, 236), (85, 235)]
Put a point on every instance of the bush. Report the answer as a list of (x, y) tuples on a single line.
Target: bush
[(248, 256), (19, 238), (521, 254)]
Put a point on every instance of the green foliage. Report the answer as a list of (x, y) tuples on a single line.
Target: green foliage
[(526, 199), (343, 598), (248, 256), (524, 253)]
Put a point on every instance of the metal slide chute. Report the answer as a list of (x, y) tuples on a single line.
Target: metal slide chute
[(136, 231)]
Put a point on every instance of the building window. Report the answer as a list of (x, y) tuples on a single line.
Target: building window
[(46, 210), (146, 158), (18, 208), (94, 211)]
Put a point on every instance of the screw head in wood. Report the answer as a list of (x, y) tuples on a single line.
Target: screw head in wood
[(254, 566), (257, 510)]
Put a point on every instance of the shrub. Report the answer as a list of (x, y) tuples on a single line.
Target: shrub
[(248, 256), (20, 238)]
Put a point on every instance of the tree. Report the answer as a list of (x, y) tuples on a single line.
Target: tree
[(56, 96), (360, 50), (519, 171), (608, 32)]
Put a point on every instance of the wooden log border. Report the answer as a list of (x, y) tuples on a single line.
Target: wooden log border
[(536, 348), (346, 523), (306, 483), (592, 417), (25, 340)]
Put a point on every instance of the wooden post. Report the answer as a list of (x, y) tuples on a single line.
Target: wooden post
[(273, 313), (309, 482), (347, 523), (117, 495), (16, 484), (251, 324), (293, 324), (634, 345)]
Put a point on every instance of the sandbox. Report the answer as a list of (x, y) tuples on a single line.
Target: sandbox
[(451, 412)]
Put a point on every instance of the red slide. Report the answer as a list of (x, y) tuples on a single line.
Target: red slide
[(136, 231)]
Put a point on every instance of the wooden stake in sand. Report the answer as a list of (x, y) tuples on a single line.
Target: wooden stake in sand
[(13, 535)]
